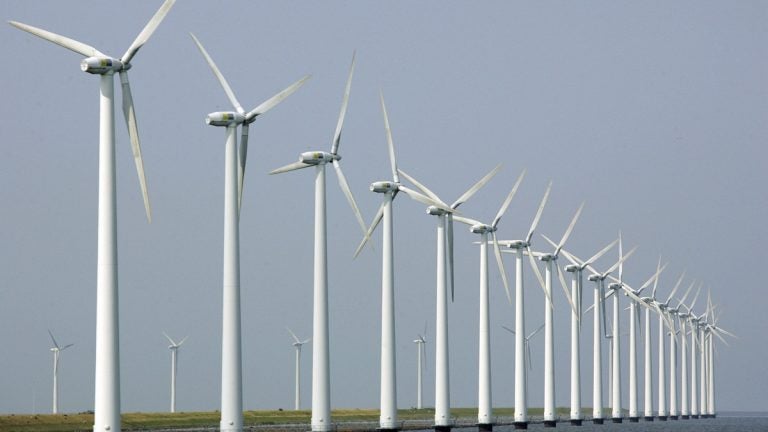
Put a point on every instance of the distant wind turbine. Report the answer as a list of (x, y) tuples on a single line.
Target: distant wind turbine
[(56, 352), (174, 347), (527, 345), (421, 361), (234, 170), (297, 344), (107, 373)]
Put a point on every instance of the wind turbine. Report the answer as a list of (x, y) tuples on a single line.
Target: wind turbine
[(634, 319), (234, 170), (683, 317), (174, 347), (444, 213), (56, 352), (484, 407), (549, 340), (297, 344), (597, 349), (577, 267), (107, 373), (663, 413), (712, 329), (389, 189), (421, 361), (321, 381), (527, 344), (693, 320)]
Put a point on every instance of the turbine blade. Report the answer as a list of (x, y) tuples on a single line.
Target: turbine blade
[(293, 335), (602, 252), (565, 289), (449, 255), (424, 189), (391, 149), (621, 254), (535, 332), (343, 110), (653, 278), (500, 263), (242, 157), (56, 344), (133, 134), (569, 230), (59, 40), (291, 167), (677, 286), (656, 281), (688, 291), (146, 33), (538, 213), (219, 76), (423, 199), (538, 274), (169, 338), (621, 260), (350, 198), (374, 224), (508, 329), (275, 100), (530, 361), (466, 220), (476, 187), (602, 306), (69, 345), (182, 341), (696, 297), (508, 200)]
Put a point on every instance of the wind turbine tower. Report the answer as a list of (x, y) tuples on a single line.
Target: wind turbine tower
[(174, 347), (297, 343), (56, 349)]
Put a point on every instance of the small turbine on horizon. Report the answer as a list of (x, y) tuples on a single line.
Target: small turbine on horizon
[(56, 352), (174, 347), (297, 344)]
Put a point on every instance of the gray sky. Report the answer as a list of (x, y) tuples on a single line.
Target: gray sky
[(652, 112)]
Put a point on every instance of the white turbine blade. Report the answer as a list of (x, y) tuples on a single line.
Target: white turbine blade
[(696, 297), (530, 361), (508, 200), (538, 275), (549, 240), (569, 230), (53, 339), (169, 338), (538, 213), (374, 224), (291, 167), (602, 252), (535, 332), (621, 263), (656, 281), (69, 345), (133, 134), (59, 40), (653, 278), (726, 332), (293, 335), (476, 187), (391, 149), (146, 33), (677, 286), (182, 341), (423, 189), (466, 220), (276, 99), (500, 263), (423, 199), (343, 110), (242, 157), (618, 263), (449, 255), (569, 256), (565, 289), (350, 198), (602, 309), (306, 341), (508, 329), (634, 296), (688, 291), (219, 76)]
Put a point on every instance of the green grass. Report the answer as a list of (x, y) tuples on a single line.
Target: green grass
[(145, 421)]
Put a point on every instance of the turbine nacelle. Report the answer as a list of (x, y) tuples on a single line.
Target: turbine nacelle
[(594, 277), (547, 257), (481, 229), (224, 118), (572, 268), (318, 157), (614, 286), (514, 244), (435, 211), (103, 65), (383, 186)]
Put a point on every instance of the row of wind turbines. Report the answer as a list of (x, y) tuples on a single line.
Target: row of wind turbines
[(107, 370)]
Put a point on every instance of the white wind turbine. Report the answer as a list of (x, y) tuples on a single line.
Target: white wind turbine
[(691, 319), (663, 413), (56, 352), (710, 330), (107, 373), (389, 189), (521, 375), (174, 347), (577, 267), (421, 361), (683, 317), (598, 334), (527, 344), (321, 381), (673, 312), (444, 213), (234, 170), (297, 343), (549, 339), (484, 407), (634, 319)]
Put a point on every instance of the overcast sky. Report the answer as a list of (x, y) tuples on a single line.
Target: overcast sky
[(654, 113)]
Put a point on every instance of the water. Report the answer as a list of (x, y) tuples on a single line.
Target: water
[(742, 422)]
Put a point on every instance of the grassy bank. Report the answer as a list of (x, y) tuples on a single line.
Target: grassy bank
[(210, 420)]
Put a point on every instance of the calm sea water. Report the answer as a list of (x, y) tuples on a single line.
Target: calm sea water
[(723, 423)]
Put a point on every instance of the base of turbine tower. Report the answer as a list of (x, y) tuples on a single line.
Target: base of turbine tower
[(634, 419), (576, 422), (485, 427), (387, 430), (597, 421), (673, 417), (442, 428), (550, 423), (617, 419), (685, 417), (662, 418), (695, 416), (520, 425), (648, 418)]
